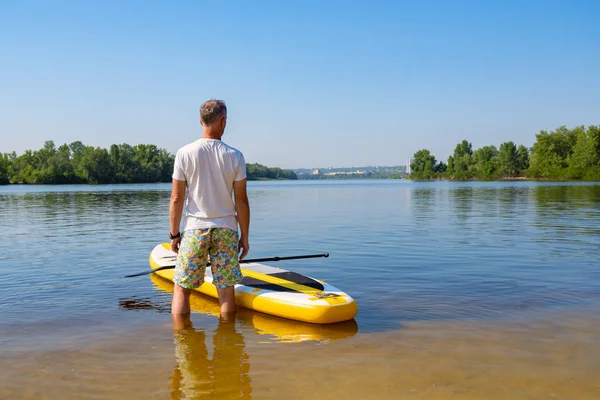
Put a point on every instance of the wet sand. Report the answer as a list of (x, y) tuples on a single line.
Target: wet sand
[(554, 356)]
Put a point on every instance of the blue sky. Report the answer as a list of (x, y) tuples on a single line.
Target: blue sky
[(307, 83)]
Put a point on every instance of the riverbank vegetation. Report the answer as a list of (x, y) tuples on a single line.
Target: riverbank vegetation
[(261, 172), (121, 163), (562, 154)]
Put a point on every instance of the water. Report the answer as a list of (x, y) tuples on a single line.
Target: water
[(409, 253), (404, 250)]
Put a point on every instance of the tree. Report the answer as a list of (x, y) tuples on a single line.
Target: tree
[(522, 158), (584, 162), (450, 168), (147, 163), (463, 148), (96, 165), (551, 152), (60, 166), (274, 173), (594, 134), (256, 171), (462, 160), (77, 149), (167, 162), (289, 174), (485, 162), (5, 164), (42, 169), (23, 168), (122, 159), (508, 158), (440, 167), (259, 171), (423, 165), (77, 163)]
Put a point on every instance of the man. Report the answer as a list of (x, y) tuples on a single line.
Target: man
[(210, 170)]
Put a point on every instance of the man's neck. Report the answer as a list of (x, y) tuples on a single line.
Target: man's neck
[(211, 135)]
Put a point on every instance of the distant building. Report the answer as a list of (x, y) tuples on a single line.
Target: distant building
[(408, 165), (357, 172), (316, 171)]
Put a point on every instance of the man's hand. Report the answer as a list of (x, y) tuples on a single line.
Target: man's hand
[(175, 244), (244, 247), (242, 208), (175, 211)]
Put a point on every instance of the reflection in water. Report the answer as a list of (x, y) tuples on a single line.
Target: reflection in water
[(422, 200), (504, 249), (554, 356), (462, 198), (566, 220), (277, 329), (554, 199), (405, 250), (224, 375), (566, 211)]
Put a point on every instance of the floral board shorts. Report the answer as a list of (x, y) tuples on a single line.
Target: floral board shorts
[(198, 247)]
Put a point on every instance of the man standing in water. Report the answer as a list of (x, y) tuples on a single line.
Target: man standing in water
[(210, 170)]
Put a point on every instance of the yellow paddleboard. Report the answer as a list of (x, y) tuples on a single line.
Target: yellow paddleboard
[(274, 291), (277, 329)]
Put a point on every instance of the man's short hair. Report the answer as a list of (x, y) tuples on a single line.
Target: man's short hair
[(212, 110)]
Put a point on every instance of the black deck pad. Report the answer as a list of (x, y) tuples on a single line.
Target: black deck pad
[(288, 276)]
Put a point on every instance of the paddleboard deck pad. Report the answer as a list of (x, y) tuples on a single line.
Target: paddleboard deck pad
[(273, 291)]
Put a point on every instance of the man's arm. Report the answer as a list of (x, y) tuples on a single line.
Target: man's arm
[(242, 207), (176, 210)]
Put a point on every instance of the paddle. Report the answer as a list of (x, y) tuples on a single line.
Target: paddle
[(241, 262)]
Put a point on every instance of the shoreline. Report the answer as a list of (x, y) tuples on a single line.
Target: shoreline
[(506, 179), (121, 183), (353, 178)]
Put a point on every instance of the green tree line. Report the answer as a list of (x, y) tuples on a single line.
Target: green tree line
[(260, 172), (572, 154), (121, 163)]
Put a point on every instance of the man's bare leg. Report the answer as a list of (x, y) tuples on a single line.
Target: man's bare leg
[(227, 300), (181, 322), (181, 300)]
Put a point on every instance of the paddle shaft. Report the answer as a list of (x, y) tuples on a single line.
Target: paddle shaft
[(241, 262)]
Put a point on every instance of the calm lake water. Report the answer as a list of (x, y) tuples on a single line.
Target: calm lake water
[(434, 254)]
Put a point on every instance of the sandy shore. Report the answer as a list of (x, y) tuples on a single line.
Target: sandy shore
[(552, 357)]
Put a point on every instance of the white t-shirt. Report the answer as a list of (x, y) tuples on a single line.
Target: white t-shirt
[(209, 167)]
